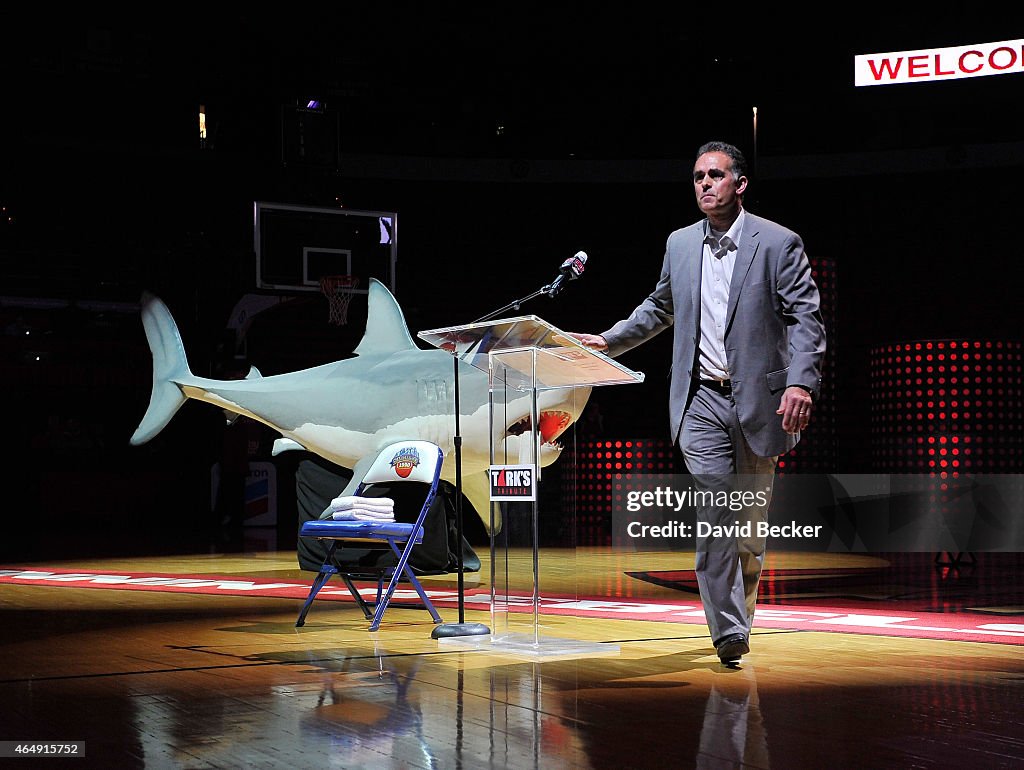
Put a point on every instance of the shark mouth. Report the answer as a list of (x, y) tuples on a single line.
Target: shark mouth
[(552, 424)]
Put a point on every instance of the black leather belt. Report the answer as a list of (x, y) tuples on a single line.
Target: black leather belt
[(719, 386)]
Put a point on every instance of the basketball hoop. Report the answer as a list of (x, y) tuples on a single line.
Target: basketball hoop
[(339, 290)]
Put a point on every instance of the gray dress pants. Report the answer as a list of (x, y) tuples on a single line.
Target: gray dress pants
[(723, 466)]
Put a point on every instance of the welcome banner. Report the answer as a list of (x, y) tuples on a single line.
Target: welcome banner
[(931, 64)]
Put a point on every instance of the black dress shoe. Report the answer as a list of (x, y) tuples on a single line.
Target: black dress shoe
[(732, 648)]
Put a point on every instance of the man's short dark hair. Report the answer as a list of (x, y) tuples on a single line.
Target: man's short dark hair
[(739, 163)]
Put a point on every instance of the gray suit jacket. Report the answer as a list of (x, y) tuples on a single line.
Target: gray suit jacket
[(774, 333)]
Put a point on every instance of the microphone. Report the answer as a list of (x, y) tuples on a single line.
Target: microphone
[(570, 270)]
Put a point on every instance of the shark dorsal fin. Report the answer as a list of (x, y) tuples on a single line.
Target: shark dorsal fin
[(386, 330)]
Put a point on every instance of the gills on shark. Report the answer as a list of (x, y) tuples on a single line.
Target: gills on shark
[(347, 411)]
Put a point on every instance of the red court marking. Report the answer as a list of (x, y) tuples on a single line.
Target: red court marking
[(963, 626)]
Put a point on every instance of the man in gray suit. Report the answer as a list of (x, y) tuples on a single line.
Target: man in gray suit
[(748, 344)]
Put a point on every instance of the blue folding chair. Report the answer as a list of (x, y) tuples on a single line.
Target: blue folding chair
[(398, 462)]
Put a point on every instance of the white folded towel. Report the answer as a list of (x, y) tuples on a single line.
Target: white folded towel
[(358, 514), (379, 504)]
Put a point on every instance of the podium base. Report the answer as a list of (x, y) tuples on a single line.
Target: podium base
[(527, 644), (449, 630)]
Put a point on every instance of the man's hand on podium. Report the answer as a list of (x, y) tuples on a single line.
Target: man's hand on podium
[(594, 341)]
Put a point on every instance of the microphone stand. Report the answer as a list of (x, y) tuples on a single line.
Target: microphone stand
[(514, 305), (462, 628)]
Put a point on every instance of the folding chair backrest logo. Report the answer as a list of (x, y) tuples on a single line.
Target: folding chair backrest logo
[(405, 461), (408, 460)]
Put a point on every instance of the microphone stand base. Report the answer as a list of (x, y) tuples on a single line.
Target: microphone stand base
[(446, 630)]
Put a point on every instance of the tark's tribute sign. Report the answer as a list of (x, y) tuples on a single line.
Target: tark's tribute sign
[(513, 482)]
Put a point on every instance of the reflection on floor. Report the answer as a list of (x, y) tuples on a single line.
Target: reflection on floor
[(916, 582), (183, 680)]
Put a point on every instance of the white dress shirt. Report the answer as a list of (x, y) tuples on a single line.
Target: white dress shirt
[(718, 260)]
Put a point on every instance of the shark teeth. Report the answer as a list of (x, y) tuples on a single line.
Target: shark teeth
[(552, 423)]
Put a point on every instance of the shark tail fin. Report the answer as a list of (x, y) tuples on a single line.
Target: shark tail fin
[(169, 363)]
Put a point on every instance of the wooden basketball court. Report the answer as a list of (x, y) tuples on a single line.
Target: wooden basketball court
[(151, 665)]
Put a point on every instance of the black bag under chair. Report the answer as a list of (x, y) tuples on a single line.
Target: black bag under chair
[(359, 544)]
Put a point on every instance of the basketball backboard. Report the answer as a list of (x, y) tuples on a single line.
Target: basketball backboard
[(296, 246)]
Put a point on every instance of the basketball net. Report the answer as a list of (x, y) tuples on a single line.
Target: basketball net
[(339, 290)]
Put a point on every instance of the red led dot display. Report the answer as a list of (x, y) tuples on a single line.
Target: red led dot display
[(979, 402)]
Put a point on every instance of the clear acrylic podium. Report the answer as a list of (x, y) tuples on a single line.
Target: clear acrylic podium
[(540, 376)]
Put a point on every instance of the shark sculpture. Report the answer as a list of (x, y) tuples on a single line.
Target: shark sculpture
[(347, 411)]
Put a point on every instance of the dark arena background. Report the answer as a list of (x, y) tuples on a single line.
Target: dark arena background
[(503, 141)]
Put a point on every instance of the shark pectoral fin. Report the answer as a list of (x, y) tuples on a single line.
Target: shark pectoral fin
[(362, 466), (285, 445), (477, 489)]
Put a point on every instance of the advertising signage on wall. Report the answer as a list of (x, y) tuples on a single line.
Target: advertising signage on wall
[(931, 64)]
